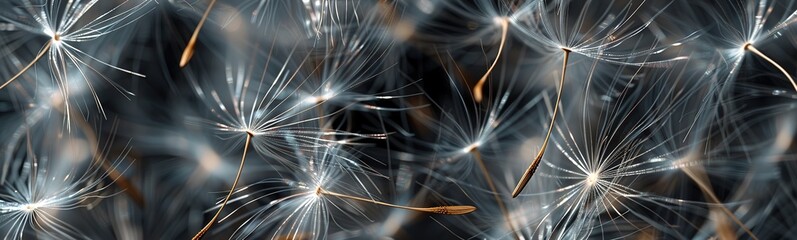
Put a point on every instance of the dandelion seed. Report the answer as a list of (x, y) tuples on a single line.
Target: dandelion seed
[(552, 27), (743, 25), (42, 101), (489, 18), (346, 76), (467, 130), (66, 25), (626, 150), (49, 183)]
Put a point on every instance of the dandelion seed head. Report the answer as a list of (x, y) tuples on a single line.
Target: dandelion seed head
[(592, 178), (319, 99), (249, 131), (500, 20), (746, 46), (30, 207), (471, 147)]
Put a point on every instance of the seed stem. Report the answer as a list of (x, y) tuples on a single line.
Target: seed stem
[(477, 90), (38, 56), (205, 229), (533, 167), (447, 210), (698, 175), (188, 52), (478, 156), (114, 174), (117, 176), (751, 48)]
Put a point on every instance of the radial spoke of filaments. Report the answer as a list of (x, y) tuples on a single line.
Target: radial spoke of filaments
[(477, 90), (205, 229), (447, 210), (751, 48), (533, 167), (188, 52)]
